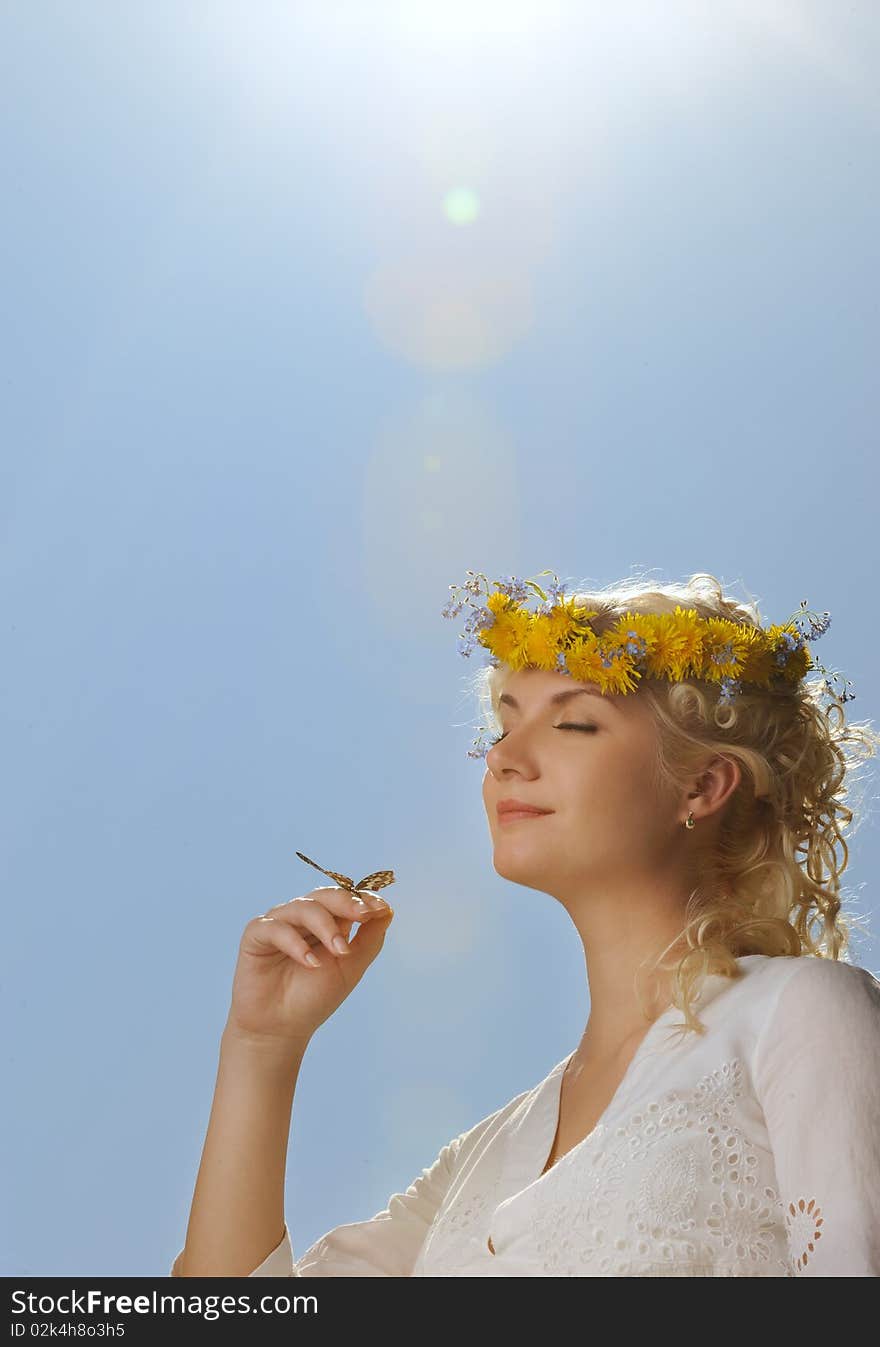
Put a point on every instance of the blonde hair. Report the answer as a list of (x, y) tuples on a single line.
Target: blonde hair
[(771, 884)]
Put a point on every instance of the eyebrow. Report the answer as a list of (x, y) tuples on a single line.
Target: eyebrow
[(557, 697)]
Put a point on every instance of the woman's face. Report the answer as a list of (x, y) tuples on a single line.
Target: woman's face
[(610, 823)]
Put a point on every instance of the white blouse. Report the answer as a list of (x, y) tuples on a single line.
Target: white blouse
[(752, 1150)]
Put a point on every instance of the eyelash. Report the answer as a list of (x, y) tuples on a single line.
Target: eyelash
[(569, 726)]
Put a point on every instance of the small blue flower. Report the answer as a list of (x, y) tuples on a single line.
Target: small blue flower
[(816, 624), (729, 688), (725, 655), (514, 588), (789, 643), (479, 619)]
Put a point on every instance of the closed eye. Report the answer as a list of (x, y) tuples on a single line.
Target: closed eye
[(569, 726)]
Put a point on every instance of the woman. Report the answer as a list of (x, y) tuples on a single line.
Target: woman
[(662, 769)]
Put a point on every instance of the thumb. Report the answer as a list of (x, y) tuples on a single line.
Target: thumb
[(371, 935)]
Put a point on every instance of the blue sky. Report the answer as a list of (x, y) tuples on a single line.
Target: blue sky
[(309, 309)]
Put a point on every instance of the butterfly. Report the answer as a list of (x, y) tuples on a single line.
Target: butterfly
[(380, 879)]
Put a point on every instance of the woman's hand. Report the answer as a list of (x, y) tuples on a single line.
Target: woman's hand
[(278, 996)]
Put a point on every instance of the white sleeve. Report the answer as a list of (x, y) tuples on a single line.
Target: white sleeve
[(817, 1078), (387, 1244), (278, 1263)]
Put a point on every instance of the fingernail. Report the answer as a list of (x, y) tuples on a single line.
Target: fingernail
[(340, 945)]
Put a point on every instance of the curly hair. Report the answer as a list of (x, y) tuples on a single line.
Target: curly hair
[(771, 884)]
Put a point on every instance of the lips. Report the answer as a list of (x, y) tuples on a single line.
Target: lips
[(514, 808)]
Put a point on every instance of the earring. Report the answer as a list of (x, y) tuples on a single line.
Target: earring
[(690, 822)]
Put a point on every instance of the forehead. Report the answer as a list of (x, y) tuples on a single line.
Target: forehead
[(536, 688)]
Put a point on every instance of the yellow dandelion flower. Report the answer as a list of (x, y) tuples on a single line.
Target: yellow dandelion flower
[(667, 649), (686, 644), (559, 621), (541, 644), (768, 664), (635, 634), (498, 638), (497, 602), (759, 662), (724, 649), (574, 615), (507, 636), (584, 662), (799, 662), (796, 661), (621, 676)]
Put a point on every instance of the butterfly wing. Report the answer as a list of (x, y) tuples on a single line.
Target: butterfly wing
[(340, 879), (380, 879)]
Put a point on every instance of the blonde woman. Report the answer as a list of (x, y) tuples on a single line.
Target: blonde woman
[(719, 1115)]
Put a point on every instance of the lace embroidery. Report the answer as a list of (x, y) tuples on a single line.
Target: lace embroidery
[(745, 1224), (676, 1188), (802, 1220), (696, 1200)]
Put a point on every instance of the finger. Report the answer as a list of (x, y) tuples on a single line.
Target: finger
[(370, 938), (319, 920), (280, 935)]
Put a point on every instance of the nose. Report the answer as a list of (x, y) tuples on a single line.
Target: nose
[(506, 756)]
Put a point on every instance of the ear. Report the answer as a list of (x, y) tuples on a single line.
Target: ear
[(716, 784)]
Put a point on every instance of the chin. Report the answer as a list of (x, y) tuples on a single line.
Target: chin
[(518, 869)]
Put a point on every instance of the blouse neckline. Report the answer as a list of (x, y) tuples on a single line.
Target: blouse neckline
[(714, 982), (530, 1142), (554, 1100)]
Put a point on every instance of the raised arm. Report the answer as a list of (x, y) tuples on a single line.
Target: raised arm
[(237, 1214), (279, 999)]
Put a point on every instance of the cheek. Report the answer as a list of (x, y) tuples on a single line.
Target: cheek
[(609, 782)]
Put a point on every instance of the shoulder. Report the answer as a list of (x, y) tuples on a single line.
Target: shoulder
[(822, 1002), (830, 982), (767, 975)]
